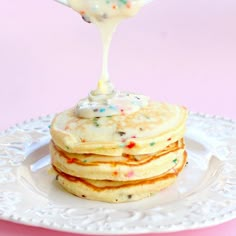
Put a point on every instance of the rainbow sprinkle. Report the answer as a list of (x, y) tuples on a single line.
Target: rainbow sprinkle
[(122, 145), (95, 121), (175, 160), (71, 160), (121, 133), (131, 145), (123, 1), (102, 110), (129, 174)]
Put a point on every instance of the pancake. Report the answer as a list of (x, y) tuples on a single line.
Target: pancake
[(119, 191), (146, 131), (117, 168), (122, 157)]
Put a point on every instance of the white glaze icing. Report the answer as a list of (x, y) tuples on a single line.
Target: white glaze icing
[(116, 104)]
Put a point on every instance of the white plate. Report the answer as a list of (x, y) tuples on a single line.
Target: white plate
[(204, 194)]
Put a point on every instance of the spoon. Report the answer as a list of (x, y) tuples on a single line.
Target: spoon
[(101, 17)]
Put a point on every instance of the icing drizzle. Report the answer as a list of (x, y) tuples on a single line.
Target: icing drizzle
[(104, 100)]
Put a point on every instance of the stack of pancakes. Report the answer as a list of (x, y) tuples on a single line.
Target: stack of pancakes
[(119, 158)]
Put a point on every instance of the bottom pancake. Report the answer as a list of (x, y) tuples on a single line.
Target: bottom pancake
[(119, 191)]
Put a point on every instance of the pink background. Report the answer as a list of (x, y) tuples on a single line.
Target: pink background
[(180, 51)]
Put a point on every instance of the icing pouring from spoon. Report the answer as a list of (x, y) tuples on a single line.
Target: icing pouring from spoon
[(106, 15)]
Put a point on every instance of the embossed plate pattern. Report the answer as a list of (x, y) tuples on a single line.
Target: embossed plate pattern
[(204, 194)]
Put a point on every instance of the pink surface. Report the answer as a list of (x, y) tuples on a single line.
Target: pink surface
[(180, 51)]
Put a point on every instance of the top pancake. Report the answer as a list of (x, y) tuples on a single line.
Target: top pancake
[(148, 130)]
